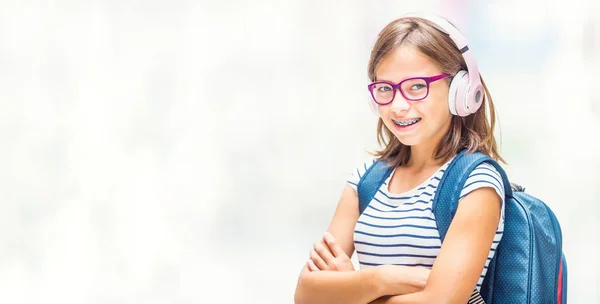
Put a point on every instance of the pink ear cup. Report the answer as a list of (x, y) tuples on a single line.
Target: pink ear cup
[(460, 100), (474, 98), (456, 93)]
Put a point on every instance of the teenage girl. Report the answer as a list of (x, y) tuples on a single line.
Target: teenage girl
[(432, 104)]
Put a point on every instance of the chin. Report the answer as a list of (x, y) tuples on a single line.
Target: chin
[(408, 140)]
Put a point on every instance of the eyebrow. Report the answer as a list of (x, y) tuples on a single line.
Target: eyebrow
[(407, 77), (390, 81), (426, 75)]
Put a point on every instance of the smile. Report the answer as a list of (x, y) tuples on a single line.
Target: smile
[(406, 122)]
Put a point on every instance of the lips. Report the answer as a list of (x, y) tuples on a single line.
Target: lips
[(406, 122)]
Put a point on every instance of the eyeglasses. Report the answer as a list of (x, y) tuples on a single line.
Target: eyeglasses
[(413, 89)]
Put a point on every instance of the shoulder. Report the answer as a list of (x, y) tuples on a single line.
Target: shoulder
[(359, 170), (484, 175)]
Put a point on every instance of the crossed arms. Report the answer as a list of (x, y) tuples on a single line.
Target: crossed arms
[(329, 276)]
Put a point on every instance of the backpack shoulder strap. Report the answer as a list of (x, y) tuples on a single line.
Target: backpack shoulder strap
[(370, 182), (445, 201)]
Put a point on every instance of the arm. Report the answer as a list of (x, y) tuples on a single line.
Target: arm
[(360, 286), (463, 254), (337, 287)]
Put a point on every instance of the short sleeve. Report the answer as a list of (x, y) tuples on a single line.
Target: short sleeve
[(484, 175), (358, 172)]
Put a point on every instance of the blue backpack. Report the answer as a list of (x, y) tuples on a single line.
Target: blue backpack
[(529, 265)]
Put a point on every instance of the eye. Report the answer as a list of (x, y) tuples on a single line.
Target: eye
[(418, 86), (384, 88)]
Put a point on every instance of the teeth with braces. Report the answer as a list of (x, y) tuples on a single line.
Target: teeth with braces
[(406, 123)]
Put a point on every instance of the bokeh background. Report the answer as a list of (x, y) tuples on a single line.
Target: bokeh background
[(192, 151)]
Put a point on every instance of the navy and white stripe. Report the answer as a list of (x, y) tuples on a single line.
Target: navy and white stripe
[(400, 229)]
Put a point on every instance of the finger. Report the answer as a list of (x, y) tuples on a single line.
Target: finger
[(323, 251), (335, 248), (317, 260), (312, 266)]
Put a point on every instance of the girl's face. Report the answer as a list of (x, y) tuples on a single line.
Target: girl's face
[(414, 123)]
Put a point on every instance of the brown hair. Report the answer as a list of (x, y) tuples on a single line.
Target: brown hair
[(474, 132)]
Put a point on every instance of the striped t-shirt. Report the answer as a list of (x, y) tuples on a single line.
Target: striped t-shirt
[(400, 229)]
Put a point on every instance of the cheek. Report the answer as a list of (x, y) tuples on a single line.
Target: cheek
[(384, 112), (384, 115), (435, 109), (444, 115), (441, 110)]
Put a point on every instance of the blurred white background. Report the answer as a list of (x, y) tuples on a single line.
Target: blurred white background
[(192, 151)]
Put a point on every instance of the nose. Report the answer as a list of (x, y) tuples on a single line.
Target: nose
[(399, 104)]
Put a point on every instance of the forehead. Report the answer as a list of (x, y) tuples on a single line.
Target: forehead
[(405, 62)]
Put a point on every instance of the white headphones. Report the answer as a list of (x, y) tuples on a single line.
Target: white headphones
[(466, 92)]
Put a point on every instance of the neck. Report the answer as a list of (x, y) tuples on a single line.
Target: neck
[(422, 157)]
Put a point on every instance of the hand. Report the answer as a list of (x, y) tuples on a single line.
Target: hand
[(328, 255)]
